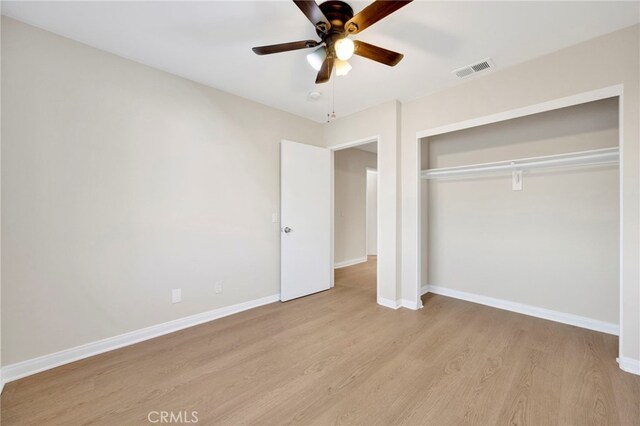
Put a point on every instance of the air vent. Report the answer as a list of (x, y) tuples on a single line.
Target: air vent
[(483, 65)]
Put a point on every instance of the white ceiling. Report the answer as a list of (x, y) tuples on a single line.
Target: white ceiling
[(210, 42)]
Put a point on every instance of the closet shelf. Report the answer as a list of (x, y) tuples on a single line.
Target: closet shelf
[(603, 156)]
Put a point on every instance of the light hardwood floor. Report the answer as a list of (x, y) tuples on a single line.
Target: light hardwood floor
[(337, 357)]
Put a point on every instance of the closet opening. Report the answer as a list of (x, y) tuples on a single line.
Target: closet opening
[(524, 214)]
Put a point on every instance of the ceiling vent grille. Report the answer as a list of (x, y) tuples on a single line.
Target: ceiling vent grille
[(468, 70)]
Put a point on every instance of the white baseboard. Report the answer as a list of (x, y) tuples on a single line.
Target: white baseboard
[(534, 311), (350, 262), (629, 365), (1, 382), (388, 303), (32, 366), (396, 304), (411, 305)]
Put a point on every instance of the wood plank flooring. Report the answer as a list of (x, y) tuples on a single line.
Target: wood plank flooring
[(338, 358)]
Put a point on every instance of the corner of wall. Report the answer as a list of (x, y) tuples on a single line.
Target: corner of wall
[(398, 137)]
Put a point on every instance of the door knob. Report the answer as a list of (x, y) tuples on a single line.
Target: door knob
[(286, 229)]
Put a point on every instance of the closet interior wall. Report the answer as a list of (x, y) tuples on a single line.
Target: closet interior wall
[(553, 245)]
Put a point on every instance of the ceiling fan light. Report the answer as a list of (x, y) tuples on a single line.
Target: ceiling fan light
[(342, 67), (344, 49), (316, 58)]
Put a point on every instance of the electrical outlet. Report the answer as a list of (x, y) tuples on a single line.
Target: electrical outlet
[(176, 295), (218, 287), (516, 180)]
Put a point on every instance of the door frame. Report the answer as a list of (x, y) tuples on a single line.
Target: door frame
[(616, 91), (333, 149), (368, 170)]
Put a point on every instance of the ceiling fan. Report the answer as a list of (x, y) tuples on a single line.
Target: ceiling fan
[(334, 22)]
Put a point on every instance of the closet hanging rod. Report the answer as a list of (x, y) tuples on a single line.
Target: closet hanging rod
[(581, 158)]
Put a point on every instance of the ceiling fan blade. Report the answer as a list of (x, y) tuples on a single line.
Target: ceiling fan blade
[(325, 71), (284, 47), (371, 14), (378, 54), (313, 12)]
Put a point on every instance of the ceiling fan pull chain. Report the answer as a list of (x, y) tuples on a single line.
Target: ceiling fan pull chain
[(332, 115)]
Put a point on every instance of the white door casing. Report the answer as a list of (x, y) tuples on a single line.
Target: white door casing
[(372, 212)]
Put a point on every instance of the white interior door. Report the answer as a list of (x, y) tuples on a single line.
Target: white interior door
[(305, 213)]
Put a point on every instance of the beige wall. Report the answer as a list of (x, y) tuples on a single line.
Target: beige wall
[(121, 182), (602, 62), (555, 244), (350, 183)]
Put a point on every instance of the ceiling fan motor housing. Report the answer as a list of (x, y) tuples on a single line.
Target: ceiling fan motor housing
[(337, 13)]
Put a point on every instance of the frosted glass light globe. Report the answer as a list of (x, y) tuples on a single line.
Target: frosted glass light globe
[(316, 58), (342, 67), (344, 49)]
